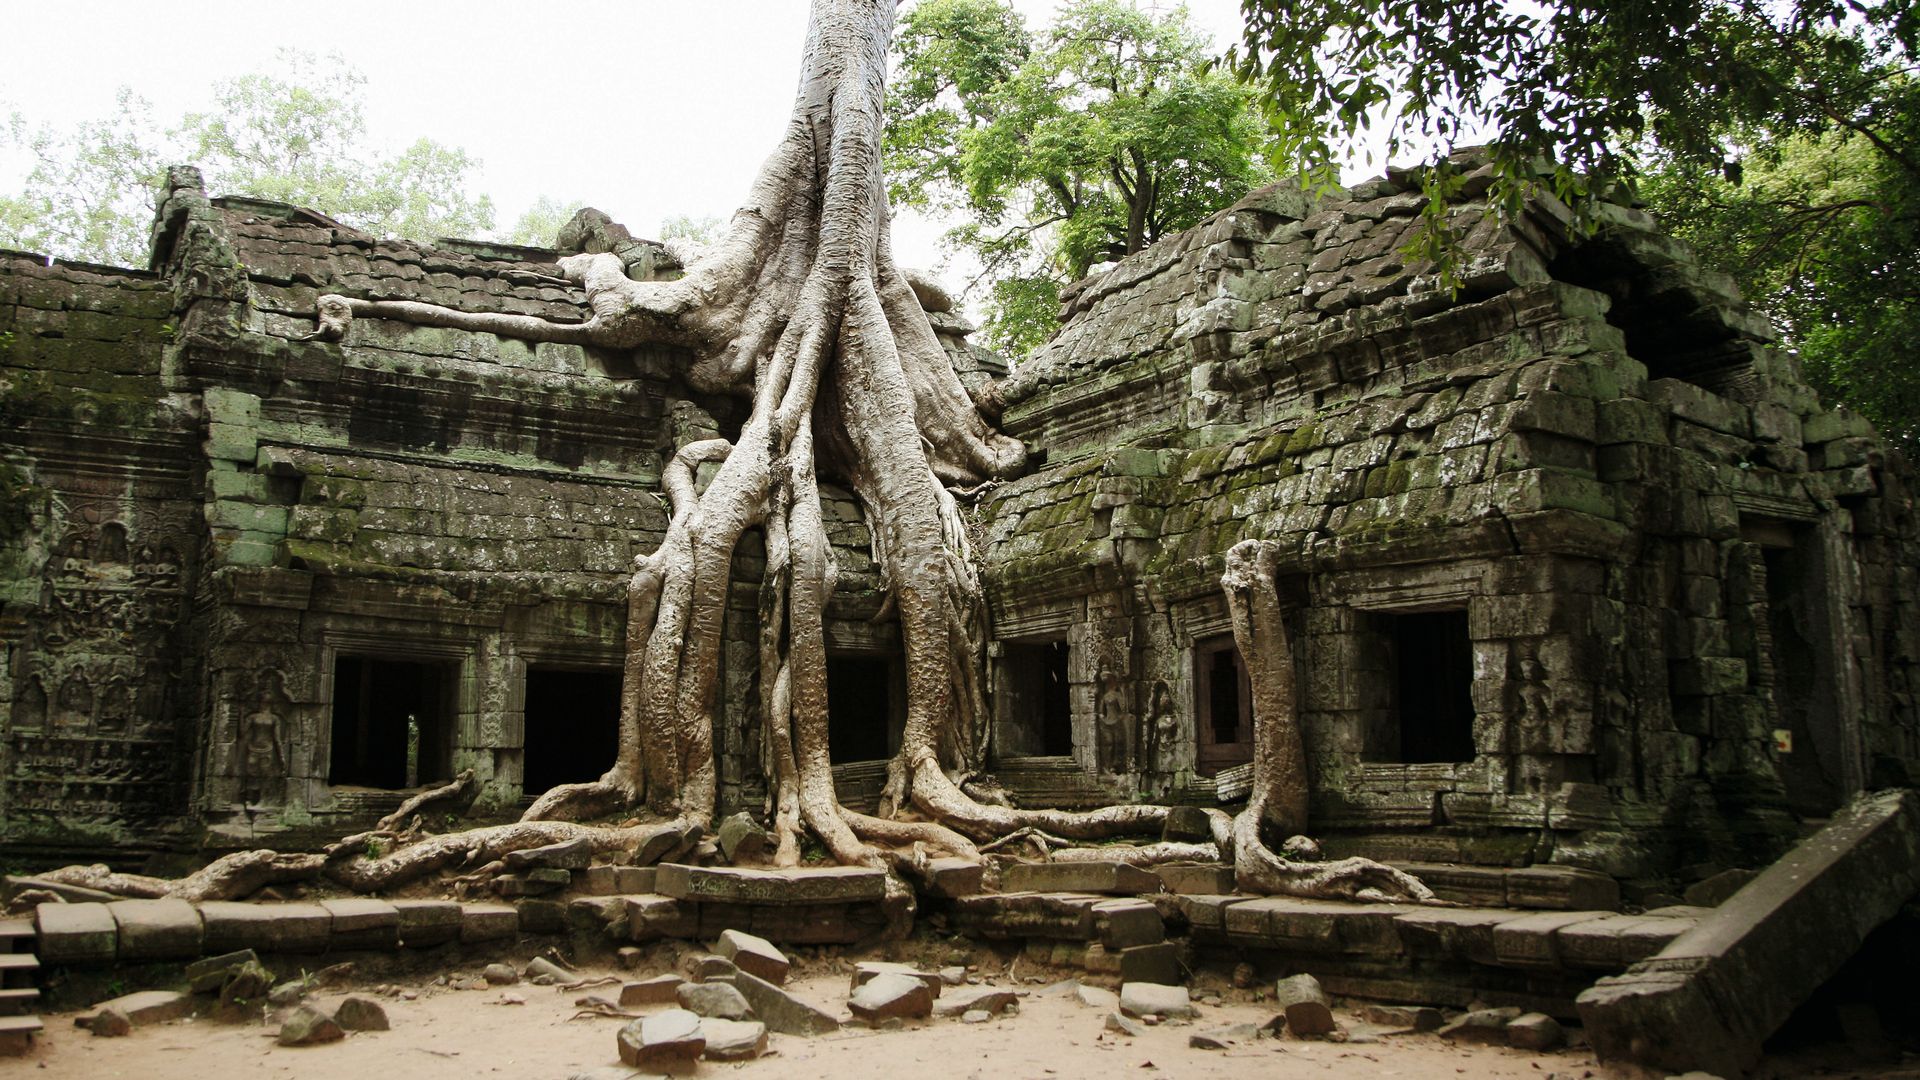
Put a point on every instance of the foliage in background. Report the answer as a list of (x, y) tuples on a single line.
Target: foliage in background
[(296, 135), (1809, 101), (1061, 150), (542, 221)]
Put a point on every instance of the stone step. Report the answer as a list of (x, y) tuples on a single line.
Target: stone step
[(1050, 783), (16, 963), (17, 1032), (17, 935), (17, 1000)]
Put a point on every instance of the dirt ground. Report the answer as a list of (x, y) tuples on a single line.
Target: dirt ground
[(526, 1031)]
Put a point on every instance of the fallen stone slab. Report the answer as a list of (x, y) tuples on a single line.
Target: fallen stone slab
[(1301, 1000), (1403, 1017), (666, 1042), (742, 839), (1096, 997), (1535, 1031), (500, 975), (659, 990), (753, 955), (950, 879), (733, 1040), (887, 996), (565, 855), (1121, 1024), (363, 923), (145, 1007), (356, 1013), (1152, 964), (866, 971), (701, 967), (800, 885), (781, 1011), (1122, 924), (157, 929), (425, 923), (1710, 998), (110, 1024), (308, 1026), (1718, 889), (1154, 999), (991, 999), (1112, 878), (715, 999), (266, 927), (1485, 1026), (76, 934)]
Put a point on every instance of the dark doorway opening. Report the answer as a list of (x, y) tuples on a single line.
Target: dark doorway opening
[(1433, 686), (860, 708), (572, 726), (1038, 705), (1798, 634), (1223, 713), (392, 723)]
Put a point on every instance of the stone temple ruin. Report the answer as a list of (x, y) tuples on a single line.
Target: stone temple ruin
[(1592, 602)]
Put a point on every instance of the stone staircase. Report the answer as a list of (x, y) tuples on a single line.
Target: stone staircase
[(19, 997)]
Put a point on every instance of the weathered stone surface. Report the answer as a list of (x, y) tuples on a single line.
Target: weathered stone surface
[(157, 929), (566, 855), (500, 975), (426, 923), (991, 999), (543, 972), (1001, 916), (356, 1013), (1096, 997), (716, 999), (1121, 1024), (110, 1023), (208, 975), (781, 1011), (753, 955), (949, 879), (659, 990), (703, 966), (628, 880), (866, 971), (666, 1042), (1405, 1017), (1535, 1031), (244, 991), (1488, 1026), (266, 927), (651, 917), (488, 922), (308, 1026), (1304, 1004), (733, 1040), (1125, 923), (145, 1007), (1562, 888), (743, 840), (1158, 963), (1196, 879), (1186, 824), (76, 934), (738, 885), (361, 922), (888, 995), (1718, 889), (1154, 999), (1112, 878)]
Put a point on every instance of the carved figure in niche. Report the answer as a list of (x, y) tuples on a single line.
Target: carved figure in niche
[(110, 546), (74, 708), (116, 708), (71, 554), (1162, 731), (29, 706), (263, 768)]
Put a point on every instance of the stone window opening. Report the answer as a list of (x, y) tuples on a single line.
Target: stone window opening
[(1035, 701), (572, 725), (392, 725), (1425, 668), (866, 707), (1223, 707)]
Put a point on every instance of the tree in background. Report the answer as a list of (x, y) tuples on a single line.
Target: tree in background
[(295, 136), (1809, 100), (1062, 150)]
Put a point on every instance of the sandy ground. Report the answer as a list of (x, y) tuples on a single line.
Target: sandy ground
[(452, 1034)]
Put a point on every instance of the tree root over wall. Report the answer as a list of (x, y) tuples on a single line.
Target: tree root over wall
[(801, 311)]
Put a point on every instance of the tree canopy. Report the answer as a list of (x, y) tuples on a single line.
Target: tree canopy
[(1065, 149), (295, 135)]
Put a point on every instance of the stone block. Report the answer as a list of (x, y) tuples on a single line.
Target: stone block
[(266, 928), (1195, 879), (1531, 941), (738, 885), (1463, 934), (308, 1026), (1156, 999), (1058, 916), (889, 995), (426, 923), (1121, 924), (754, 955), (733, 1040), (363, 923), (599, 881), (1305, 1006), (145, 1007), (950, 879), (668, 1042), (781, 1011), (651, 917), (76, 934), (540, 916), (488, 922), (629, 880), (1187, 824), (659, 990), (1112, 878), (157, 929), (1485, 1026), (1562, 888), (1158, 963), (866, 971), (209, 975), (719, 999)]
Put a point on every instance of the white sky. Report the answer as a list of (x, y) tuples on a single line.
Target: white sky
[(643, 108)]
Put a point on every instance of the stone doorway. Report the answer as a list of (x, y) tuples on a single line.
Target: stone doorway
[(1223, 707), (866, 707), (392, 722), (572, 726), (1035, 705)]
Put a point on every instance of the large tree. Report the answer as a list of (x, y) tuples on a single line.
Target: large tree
[(800, 310), (1064, 149), (296, 134)]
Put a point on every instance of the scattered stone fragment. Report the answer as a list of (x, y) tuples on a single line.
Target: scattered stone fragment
[(987, 999), (1535, 1031), (714, 999), (110, 1024), (1096, 997), (1275, 1027), (733, 1040), (1243, 975), (565, 855), (468, 984), (605, 1072), (248, 988), (975, 1016), (1125, 1026), (753, 955), (706, 966), (1208, 1040), (500, 975), (668, 1042), (510, 999), (1408, 1017), (888, 995), (1155, 999), (209, 975), (541, 971), (1487, 1026), (953, 976), (146, 1007), (1186, 824), (743, 840), (291, 992), (1305, 1005), (308, 1026), (356, 1013), (781, 1011), (659, 990), (629, 956), (867, 970)]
